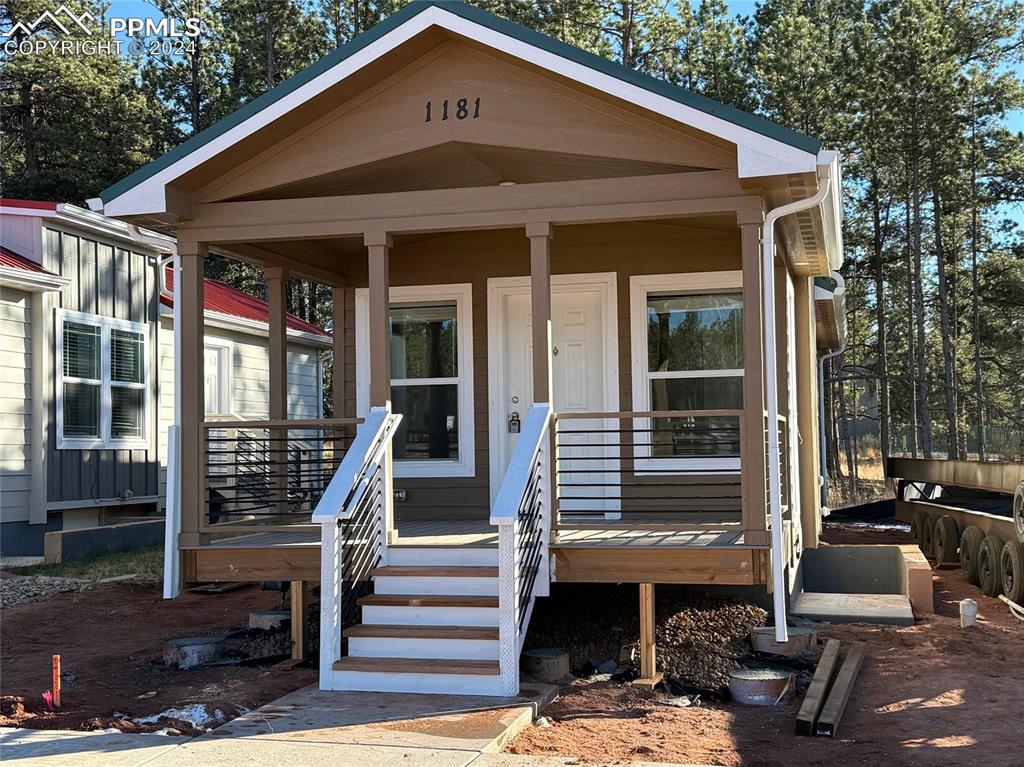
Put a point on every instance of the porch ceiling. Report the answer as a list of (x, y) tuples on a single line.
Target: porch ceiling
[(461, 164)]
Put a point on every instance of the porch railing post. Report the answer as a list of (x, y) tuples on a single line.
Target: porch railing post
[(508, 613), (189, 293), (331, 574)]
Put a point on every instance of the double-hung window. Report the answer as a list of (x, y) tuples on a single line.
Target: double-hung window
[(687, 334), (431, 356), (103, 386)]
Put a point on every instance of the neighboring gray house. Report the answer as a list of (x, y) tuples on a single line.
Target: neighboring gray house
[(87, 354)]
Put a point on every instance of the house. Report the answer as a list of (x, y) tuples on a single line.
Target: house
[(84, 440), (575, 340)]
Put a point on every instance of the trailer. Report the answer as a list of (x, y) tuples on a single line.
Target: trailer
[(966, 512)]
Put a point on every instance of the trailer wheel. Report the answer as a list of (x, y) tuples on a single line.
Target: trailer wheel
[(1011, 568), (947, 539), (917, 525), (989, 578), (970, 548), (1018, 513), (928, 536)]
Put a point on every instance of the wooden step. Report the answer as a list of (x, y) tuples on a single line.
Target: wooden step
[(437, 571), (427, 600), (423, 632), (418, 666)]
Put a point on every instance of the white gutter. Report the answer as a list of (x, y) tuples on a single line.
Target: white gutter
[(172, 504), (771, 382), (822, 457)]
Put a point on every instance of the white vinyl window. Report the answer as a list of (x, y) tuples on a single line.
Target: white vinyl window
[(687, 334), (103, 382), (431, 345)]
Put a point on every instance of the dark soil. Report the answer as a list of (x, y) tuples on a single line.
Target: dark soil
[(110, 639)]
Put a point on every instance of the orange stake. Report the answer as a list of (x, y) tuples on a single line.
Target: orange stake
[(56, 681)]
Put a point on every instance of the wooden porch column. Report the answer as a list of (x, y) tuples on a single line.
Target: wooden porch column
[(193, 408), (338, 341), (378, 246), (276, 278), (752, 461), (540, 302), (807, 411), (649, 678)]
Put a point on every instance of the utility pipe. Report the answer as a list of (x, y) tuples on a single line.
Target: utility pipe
[(822, 456), (772, 395), (172, 510)]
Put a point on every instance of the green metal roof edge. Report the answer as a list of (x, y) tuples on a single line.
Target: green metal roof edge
[(504, 26), (826, 283)]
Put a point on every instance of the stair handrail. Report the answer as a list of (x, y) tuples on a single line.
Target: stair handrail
[(523, 500), (367, 462)]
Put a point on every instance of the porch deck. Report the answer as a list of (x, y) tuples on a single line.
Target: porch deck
[(713, 552)]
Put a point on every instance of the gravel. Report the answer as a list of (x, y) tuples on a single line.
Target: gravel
[(21, 589)]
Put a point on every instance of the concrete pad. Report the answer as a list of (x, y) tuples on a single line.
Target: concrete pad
[(57, 748), (919, 579), (241, 752), (398, 720), (892, 609)]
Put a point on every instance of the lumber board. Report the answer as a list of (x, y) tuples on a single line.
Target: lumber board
[(418, 666), (839, 696), (807, 718)]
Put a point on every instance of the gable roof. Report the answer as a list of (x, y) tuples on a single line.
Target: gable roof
[(756, 157), (12, 260), (221, 298)]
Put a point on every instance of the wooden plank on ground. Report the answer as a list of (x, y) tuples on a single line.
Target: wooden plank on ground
[(815, 697), (835, 704)]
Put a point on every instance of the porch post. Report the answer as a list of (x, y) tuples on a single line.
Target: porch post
[(338, 340), (378, 246), (276, 278), (193, 448), (807, 411), (540, 235), (752, 451)]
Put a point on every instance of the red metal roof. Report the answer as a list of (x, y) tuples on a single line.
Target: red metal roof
[(10, 202), (221, 298), (12, 260)]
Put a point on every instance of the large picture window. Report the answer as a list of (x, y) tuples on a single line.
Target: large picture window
[(430, 340), (102, 387), (688, 355)]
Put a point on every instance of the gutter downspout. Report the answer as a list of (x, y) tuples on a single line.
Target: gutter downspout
[(771, 382), (822, 457), (172, 508)]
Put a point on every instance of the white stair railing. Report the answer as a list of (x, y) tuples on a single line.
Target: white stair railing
[(522, 513), (356, 517)]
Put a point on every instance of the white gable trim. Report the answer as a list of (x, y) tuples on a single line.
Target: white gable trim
[(757, 155)]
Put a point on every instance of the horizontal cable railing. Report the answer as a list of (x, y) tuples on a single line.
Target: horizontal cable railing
[(264, 474), (355, 515), (654, 466), (522, 514)]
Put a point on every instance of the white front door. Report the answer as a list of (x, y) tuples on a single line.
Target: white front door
[(584, 366), (213, 375)]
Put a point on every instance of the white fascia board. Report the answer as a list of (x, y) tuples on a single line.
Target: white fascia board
[(757, 155), (81, 219), (832, 210), (251, 327), (33, 282)]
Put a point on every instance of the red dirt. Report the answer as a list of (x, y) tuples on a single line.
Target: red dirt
[(111, 639), (931, 695)]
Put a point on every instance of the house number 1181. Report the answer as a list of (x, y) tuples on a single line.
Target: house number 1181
[(463, 108)]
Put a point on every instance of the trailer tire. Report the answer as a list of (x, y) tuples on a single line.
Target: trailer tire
[(927, 543), (1018, 512), (917, 525), (988, 566), (947, 539), (970, 547), (1011, 568)]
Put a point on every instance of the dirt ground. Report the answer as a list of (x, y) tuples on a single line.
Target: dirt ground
[(931, 695), (110, 639)]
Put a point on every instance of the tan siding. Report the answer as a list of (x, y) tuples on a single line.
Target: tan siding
[(15, 404), (626, 249)]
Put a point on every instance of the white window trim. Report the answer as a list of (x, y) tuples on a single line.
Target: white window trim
[(462, 294), (104, 441), (692, 283), (226, 354)]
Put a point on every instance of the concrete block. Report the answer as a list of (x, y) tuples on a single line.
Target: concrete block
[(893, 609), (919, 579)]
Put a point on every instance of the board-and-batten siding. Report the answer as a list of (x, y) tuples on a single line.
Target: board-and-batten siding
[(250, 398), (15, 403), (109, 281), (626, 249)]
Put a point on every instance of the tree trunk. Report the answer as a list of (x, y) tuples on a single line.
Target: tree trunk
[(882, 351), (948, 360), (911, 356), (918, 280), (979, 421)]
